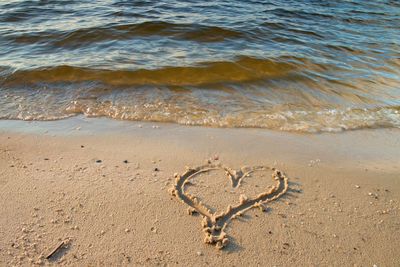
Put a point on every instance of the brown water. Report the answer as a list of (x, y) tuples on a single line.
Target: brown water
[(305, 65)]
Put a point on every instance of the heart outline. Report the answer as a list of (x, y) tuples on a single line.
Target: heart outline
[(214, 224)]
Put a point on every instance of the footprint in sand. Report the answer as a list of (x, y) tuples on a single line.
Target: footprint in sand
[(214, 223)]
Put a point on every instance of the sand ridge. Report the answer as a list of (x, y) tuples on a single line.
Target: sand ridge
[(214, 224)]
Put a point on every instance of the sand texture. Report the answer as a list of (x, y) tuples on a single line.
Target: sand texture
[(92, 192)]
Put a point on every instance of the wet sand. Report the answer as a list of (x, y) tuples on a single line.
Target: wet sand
[(101, 187)]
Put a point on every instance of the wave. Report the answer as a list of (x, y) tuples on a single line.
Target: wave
[(113, 32), (243, 69), (292, 120), (283, 119)]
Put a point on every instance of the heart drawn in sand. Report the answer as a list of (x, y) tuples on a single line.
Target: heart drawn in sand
[(214, 224)]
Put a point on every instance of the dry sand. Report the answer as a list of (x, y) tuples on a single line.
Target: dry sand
[(101, 187)]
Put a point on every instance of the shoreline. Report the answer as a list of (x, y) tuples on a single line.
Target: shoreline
[(367, 146), (102, 185)]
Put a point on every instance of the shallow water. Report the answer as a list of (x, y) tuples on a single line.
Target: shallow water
[(305, 65)]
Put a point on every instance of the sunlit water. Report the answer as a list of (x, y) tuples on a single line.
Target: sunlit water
[(304, 65)]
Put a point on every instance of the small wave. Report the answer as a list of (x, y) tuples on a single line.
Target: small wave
[(292, 120), (298, 13), (308, 121), (85, 36), (242, 70), (22, 12)]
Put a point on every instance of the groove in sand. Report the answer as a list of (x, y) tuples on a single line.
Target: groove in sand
[(214, 224)]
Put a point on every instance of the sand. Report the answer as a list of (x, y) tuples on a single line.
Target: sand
[(98, 190)]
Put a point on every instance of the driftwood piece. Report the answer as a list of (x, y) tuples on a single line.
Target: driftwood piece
[(54, 251)]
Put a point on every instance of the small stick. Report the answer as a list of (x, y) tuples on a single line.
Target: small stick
[(54, 251)]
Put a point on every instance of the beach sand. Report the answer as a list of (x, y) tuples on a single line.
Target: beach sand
[(101, 187)]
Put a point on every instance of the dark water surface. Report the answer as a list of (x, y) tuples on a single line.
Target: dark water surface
[(288, 65)]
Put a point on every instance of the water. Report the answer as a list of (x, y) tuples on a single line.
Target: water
[(307, 66)]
